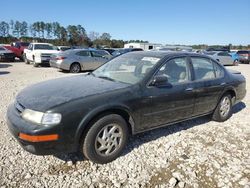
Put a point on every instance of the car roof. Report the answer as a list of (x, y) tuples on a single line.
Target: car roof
[(41, 43)]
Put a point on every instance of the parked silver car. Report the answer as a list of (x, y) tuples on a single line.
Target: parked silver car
[(223, 57), (77, 60)]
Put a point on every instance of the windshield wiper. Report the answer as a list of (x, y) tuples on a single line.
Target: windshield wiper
[(106, 78), (91, 73)]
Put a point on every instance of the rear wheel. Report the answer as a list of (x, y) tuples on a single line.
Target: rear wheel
[(223, 110), (75, 68), (105, 139)]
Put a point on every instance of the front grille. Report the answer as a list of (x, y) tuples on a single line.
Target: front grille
[(19, 107), (9, 55), (46, 55)]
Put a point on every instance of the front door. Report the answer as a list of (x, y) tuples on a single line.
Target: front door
[(173, 102)]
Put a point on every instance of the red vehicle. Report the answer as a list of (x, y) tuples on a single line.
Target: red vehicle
[(17, 48)]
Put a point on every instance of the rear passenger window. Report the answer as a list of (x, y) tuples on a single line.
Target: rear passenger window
[(219, 72), (203, 68), (96, 54), (83, 53)]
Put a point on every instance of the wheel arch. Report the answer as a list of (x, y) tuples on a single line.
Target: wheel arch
[(231, 91), (90, 118)]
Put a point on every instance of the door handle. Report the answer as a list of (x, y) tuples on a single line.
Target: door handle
[(223, 83), (189, 89)]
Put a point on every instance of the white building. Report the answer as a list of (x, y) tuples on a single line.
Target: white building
[(144, 46)]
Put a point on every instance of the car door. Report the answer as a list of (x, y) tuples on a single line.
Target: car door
[(29, 52), (98, 59), (85, 59), (225, 58), (208, 84), (173, 102)]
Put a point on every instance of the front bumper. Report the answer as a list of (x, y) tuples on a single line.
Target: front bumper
[(7, 57), (18, 125)]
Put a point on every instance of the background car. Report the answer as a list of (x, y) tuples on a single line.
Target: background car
[(6, 55), (39, 53), (125, 50), (79, 59), (235, 57), (63, 48), (244, 56), (18, 48), (223, 57)]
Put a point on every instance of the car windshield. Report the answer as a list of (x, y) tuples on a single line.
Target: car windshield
[(43, 47), (1, 48), (128, 68), (24, 43)]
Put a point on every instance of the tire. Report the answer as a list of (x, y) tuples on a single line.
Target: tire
[(75, 68), (25, 59), (223, 110), (236, 62), (106, 151), (35, 64), (12, 60)]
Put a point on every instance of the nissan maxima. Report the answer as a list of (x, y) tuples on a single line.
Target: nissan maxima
[(95, 113)]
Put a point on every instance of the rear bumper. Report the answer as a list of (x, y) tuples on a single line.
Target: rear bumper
[(59, 65), (17, 125), (244, 60)]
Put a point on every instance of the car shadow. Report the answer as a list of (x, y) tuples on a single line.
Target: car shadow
[(142, 138), (238, 107), (4, 72), (4, 65)]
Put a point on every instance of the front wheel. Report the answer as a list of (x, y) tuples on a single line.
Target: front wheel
[(236, 62), (223, 110), (35, 64), (105, 139)]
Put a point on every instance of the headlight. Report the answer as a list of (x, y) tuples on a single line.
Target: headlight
[(41, 118)]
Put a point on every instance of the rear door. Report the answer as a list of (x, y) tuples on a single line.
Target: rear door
[(99, 59), (225, 58), (85, 59), (29, 52), (208, 84)]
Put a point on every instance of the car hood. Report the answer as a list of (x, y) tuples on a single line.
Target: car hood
[(5, 52), (47, 51), (46, 95)]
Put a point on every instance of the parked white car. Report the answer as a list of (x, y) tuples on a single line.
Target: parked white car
[(39, 53), (223, 57)]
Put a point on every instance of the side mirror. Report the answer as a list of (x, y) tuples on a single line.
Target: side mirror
[(160, 81)]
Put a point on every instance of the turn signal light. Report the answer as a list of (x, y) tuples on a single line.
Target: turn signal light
[(38, 138)]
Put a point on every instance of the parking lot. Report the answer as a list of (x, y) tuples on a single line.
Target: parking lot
[(195, 153)]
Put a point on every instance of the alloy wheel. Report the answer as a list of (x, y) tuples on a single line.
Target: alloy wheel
[(108, 140)]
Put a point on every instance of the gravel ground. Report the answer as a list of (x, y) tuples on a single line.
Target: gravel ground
[(195, 153)]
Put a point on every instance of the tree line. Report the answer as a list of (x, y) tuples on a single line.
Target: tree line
[(73, 35), (55, 33)]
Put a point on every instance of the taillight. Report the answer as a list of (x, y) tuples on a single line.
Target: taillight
[(60, 58)]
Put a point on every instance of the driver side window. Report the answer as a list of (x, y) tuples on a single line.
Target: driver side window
[(176, 70)]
